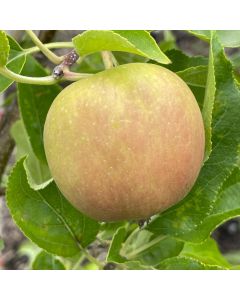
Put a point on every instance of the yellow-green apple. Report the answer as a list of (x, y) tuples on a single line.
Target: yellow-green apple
[(126, 143)]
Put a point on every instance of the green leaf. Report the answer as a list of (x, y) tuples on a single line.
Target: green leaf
[(15, 63), (150, 249), (203, 256), (181, 61), (46, 217), (168, 247), (141, 246), (169, 41), (116, 245), (185, 263), (199, 93), (134, 41), (235, 59), (92, 63), (46, 261), (34, 103), (225, 207), (127, 58), (4, 48), (189, 219), (107, 230), (38, 174), (136, 265), (195, 76), (208, 106), (207, 252), (232, 179), (204, 35), (228, 38)]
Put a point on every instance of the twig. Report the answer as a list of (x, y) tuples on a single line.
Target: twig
[(54, 45), (47, 80), (63, 69), (48, 53)]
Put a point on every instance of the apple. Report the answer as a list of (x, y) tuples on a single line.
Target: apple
[(126, 143)]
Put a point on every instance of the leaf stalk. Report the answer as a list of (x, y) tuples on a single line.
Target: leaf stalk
[(46, 80), (48, 53)]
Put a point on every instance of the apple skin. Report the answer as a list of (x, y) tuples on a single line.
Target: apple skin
[(126, 143)]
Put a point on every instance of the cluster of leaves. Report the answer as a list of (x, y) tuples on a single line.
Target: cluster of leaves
[(179, 238)]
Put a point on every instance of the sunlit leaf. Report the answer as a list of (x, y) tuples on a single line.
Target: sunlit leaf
[(4, 48), (16, 61), (228, 38), (134, 41)]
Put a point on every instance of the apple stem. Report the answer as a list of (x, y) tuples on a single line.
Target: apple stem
[(46, 80), (55, 45), (73, 76)]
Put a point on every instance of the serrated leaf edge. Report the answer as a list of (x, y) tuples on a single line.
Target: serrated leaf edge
[(140, 52), (35, 187), (60, 217), (200, 67), (8, 46), (109, 250), (194, 260)]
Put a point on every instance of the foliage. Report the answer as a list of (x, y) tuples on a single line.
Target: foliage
[(179, 238), (16, 59), (46, 261), (228, 38), (137, 42), (46, 217)]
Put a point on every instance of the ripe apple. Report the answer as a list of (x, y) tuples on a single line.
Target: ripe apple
[(126, 143)]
